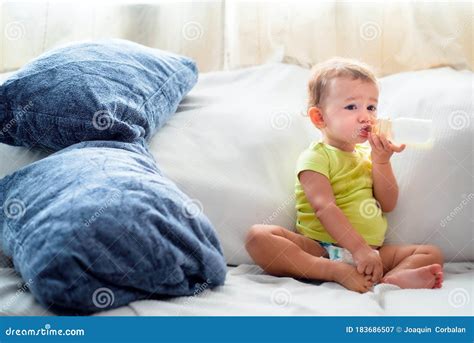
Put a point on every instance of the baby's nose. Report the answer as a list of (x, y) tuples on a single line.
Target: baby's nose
[(367, 116), (365, 119)]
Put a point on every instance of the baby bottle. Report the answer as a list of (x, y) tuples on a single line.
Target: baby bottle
[(409, 131)]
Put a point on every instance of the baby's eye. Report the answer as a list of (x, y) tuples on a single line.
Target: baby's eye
[(372, 108), (350, 107)]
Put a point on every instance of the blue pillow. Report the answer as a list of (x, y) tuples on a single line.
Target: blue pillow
[(97, 225), (101, 90)]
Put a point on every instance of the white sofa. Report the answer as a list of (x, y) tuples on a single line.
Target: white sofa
[(232, 146)]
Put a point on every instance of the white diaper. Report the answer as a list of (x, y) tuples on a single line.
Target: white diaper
[(339, 254)]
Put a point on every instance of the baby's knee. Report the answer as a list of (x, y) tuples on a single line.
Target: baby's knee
[(258, 233), (436, 253), (255, 234)]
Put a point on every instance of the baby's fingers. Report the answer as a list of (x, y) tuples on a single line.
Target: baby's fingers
[(377, 274), (385, 143), (376, 141), (369, 269), (397, 148), (361, 267)]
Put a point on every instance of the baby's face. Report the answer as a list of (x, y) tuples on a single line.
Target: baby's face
[(349, 110)]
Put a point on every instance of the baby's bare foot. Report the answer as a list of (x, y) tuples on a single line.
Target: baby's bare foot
[(349, 277), (424, 277)]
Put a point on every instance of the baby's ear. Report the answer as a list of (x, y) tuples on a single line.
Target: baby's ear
[(316, 117)]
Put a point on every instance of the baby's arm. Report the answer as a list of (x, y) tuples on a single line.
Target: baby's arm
[(385, 185), (318, 191)]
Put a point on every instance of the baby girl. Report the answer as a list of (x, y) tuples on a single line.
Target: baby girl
[(342, 190)]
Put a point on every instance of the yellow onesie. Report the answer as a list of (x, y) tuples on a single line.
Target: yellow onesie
[(350, 175)]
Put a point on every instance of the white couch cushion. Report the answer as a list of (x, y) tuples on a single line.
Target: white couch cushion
[(436, 191), (233, 147)]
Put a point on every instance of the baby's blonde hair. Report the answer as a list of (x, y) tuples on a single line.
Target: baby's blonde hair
[(323, 72)]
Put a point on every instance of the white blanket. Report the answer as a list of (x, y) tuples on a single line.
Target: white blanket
[(250, 292)]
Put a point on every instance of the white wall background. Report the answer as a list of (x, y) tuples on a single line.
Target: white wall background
[(224, 34)]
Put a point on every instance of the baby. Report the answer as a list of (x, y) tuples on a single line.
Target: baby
[(342, 190)]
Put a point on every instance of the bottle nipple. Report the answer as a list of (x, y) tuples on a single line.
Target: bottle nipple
[(383, 127)]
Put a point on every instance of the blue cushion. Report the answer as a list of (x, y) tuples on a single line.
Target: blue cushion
[(101, 90), (97, 225)]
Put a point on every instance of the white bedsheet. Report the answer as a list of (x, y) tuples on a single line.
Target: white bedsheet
[(250, 292)]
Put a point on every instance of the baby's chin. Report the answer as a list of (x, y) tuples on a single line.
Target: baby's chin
[(361, 138)]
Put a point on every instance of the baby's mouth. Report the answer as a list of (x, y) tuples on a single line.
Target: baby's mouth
[(366, 129)]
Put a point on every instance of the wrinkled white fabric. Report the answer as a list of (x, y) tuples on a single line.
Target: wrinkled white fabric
[(250, 292)]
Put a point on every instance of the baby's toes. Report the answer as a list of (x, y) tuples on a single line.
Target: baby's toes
[(438, 280)]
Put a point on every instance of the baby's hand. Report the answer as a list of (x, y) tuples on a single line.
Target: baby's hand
[(368, 262), (382, 149)]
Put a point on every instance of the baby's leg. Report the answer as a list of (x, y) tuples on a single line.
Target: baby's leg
[(412, 266), (281, 252)]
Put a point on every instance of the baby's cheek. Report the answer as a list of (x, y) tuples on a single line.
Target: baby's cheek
[(341, 126), (350, 131)]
